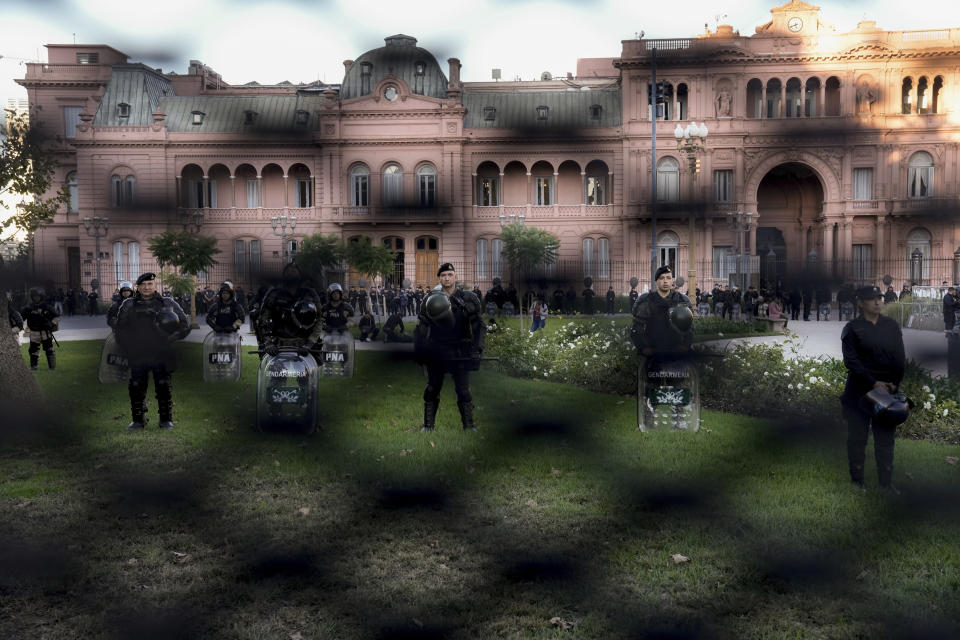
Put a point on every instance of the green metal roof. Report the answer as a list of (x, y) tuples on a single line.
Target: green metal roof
[(397, 59), (518, 109), (136, 85), (227, 114)]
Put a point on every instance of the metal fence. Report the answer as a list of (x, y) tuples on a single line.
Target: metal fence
[(757, 271)]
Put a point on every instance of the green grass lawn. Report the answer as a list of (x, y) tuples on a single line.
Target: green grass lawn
[(558, 508)]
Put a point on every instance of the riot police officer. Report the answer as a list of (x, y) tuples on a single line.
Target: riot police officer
[(336, 314), (289, 313), (125, 291), (611, 300), (42, 320), (874, 356), (147, 325), (225, 313), (449, 338)]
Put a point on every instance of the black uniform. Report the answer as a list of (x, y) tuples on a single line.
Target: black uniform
[(871, 353), (225, 317), (275, 323), (611, 301), (588, 295), (455, 348), (368, 327), (42, 320), (114, 310), (16, 320), (652, 328), (149, 349), (951, 304), (393, 330)]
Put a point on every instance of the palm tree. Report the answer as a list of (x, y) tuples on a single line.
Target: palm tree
[(369, 259), (190, 254), (527, 249)]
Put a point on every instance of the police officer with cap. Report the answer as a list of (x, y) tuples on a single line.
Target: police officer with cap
[(449, 338), (225, 313), (147, 325), (662, 320), (873, 354)]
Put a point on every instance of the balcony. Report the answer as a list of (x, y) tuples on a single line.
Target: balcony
[(534, 212), (921, 205), (252, 215), (406, 215)]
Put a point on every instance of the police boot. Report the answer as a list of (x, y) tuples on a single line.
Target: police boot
[(34, 361), (430, 414), (137, 409), (165, 409), (466, 415), (52, 359)]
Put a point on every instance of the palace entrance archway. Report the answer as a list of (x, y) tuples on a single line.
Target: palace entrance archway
[(789, 200)]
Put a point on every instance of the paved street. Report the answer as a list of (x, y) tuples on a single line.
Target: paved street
[(816, 339)]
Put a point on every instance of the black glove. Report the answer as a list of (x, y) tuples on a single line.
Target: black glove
[(272, 350)]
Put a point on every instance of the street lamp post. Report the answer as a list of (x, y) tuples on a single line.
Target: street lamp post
[(96, 227), (282, 222), (506, 220), (740, 223), (691, 141), (191, 219)]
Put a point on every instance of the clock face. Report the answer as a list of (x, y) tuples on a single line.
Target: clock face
[(795, 24), (391, 94)]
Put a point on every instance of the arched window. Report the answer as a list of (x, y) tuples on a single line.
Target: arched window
[(918, 254), (937, 104), (122, 190), (773, 108), (126, 261), (920, 175), (488, 185), (588, 258), (603, 257), (668, 180), (392, 185), (73, 205), (906, 100), (667, 243), (831, 97), (246, 259), (596, 183), (755, 98), (427, 185), (811, 97), (359, 186), (923, 96), (794, 98)]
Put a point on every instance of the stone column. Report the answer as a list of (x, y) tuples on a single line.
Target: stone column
[(707, 250), (233, 191), (259, 191), (783, 100), (206, 192), (827, 257), (180, 202), (763, 105), (286, 192)]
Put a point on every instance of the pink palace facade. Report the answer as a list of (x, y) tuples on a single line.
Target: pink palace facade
[(845, 146)]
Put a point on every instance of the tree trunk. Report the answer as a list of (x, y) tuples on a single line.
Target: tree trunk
[(18, 387)]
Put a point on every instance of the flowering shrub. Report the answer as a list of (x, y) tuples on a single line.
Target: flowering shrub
[(766, 380)]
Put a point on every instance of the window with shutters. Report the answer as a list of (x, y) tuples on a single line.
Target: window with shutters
[(253, 194), (920, 175), (122, 190), (863, 184), (863, 263), (723, 185), (392, 185), (302, 195), (359, 186), (543, 190), (668, 180), (427, 185)]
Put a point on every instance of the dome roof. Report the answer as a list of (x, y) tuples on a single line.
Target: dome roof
[(400, 58)]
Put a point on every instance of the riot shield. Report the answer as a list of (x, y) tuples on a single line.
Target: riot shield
[(703, 309), (221, 356), (287, 389), (336, 358), (825, 312), (735, 313), (718, 309), (114, 366), (668, 395), (846, 311)]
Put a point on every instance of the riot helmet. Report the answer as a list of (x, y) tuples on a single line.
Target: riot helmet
[(305, 314), (438, 309), (681, 318), (227, 286), (127, 287), (884, 408), (37, 294), (167, 321), (335, 288)]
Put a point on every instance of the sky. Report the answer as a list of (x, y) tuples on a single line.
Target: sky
[(303, 41)]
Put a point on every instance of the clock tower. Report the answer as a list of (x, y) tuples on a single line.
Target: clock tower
[(795, 18)]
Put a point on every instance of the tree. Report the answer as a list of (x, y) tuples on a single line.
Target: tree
[(527, 249), (27, 171), (319, 253), (190, 254), (369, 259)]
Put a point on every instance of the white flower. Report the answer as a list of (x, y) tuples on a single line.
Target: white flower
[(945, 412), (813, 379), (933, 398), (800, 386), (766, 373), (790, 386), (926, 405), (926, 388), (720, 334), (534, 367)]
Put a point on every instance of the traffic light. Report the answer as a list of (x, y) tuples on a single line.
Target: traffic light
[(658, 93)]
